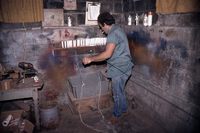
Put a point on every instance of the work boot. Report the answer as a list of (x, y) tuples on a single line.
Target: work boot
[(113, 120), (126, 112)]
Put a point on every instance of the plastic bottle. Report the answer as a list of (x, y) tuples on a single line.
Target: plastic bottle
[(69, 21), (129, 20), (136, 19), (150, 15), (145, 21)]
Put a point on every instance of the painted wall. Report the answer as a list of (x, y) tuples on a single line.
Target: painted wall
[(42, 48), (165, 79), (34, 44)]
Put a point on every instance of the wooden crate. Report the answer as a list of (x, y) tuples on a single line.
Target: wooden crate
[(88, 104)]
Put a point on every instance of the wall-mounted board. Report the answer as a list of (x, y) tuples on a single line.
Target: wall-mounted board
[(92, 12), (53, 18), (69, 5)]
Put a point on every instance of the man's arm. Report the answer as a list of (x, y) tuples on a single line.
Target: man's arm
[(102, 56)]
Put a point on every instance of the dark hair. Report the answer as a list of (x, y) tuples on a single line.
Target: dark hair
[(105, 17)]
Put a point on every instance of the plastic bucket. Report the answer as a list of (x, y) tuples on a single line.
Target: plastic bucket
[(49, 114)]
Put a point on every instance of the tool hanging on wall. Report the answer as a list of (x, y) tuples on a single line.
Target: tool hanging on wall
[(92, 12)]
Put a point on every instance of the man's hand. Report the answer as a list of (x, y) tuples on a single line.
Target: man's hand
[(102, 56), (86, 60)]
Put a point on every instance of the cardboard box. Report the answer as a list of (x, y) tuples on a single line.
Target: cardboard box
[(14, 124), (26, 126), (6, 84), (14, 74)]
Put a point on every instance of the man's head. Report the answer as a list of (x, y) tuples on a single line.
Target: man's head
[(105, 20)]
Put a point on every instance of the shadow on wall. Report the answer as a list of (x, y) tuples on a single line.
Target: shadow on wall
[(56, 63), (160, 56), (58, 67), (145, 52)]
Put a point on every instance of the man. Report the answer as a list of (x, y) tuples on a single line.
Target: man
[(119, 64)]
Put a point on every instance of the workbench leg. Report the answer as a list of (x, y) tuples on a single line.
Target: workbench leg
[(36, 109)]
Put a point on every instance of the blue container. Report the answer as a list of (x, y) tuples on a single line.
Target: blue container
[(49, 114)]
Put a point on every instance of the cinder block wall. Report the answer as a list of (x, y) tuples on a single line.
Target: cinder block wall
[(165, 79), (39, 41)]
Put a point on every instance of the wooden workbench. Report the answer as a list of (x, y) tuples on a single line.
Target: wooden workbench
[(21, 90)]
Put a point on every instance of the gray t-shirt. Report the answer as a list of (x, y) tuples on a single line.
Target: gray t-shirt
[(120, 61)]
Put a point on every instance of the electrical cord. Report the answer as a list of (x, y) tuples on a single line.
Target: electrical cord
[(80, 112), (79, 108), (24, 41)]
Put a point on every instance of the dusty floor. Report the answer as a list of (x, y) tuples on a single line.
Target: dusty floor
[(93, 122), (136, 122)]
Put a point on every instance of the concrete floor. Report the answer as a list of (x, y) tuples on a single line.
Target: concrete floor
[(93, 122), (136, 122)]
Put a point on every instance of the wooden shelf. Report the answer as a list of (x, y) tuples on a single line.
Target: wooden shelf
[(81, 50)]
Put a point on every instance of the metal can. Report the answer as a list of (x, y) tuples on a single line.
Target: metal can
[(36, 79)]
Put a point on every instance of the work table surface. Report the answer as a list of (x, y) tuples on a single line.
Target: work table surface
[(25, 88), (26, 83)]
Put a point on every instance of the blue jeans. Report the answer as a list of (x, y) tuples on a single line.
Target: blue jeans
[(118, 85)]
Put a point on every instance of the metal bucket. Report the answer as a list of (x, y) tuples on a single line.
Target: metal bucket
[(49, 115)]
